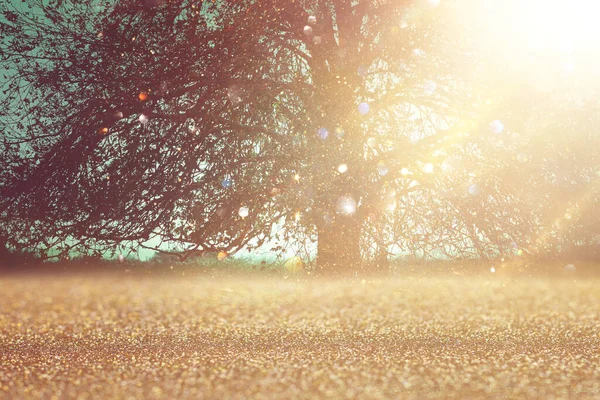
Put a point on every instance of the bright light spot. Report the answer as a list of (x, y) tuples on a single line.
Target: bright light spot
[(308, 30), (323, 133), (296, 177), (382, 170), (446, 166), (294, 265), (221, 255), (103, 131), (297, 216), (392, 206), (363, 108), (551, 26), (474, 190), (372, 142), (339, 132), (244, 212), (430, 87), (428, 168), (342, 168), (568, 216), (405, 171), (492, 270), (143, 119), (569, 67), (234, 94), (433, 3), (312, 20), (143, 96), (121, 258), (497, 126), (346, 205), (570, 268), (226, 183)]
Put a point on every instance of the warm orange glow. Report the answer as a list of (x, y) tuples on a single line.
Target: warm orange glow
[(103, 131), (143, 96), (221, 255)]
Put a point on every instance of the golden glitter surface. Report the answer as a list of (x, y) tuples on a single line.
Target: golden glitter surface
[(105, 337)]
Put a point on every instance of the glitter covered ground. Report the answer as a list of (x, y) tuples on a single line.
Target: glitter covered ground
[(105, 337)]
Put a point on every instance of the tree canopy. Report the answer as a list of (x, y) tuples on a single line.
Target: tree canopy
[(366, 127)]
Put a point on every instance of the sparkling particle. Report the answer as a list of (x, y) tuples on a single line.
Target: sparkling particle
[(143, 118), (297, 177), (143, 96), (497, 126), (405, 171), (363, 108), (342, 168), (221, 255), (308, 30), (121, 258), (492, 270), (428, 168), (372, 142), (312, 20), (346, 205), (297, 216), (339, 132), (244, 211), (323, 133)]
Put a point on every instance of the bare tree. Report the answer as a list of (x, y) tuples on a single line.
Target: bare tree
[(225, 125)]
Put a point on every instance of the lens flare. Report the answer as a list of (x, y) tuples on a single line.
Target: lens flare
[(244, 212), (428, 168), (346, 205), (364, 108)]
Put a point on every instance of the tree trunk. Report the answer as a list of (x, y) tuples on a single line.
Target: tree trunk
[(338, 246), (4, 252)]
